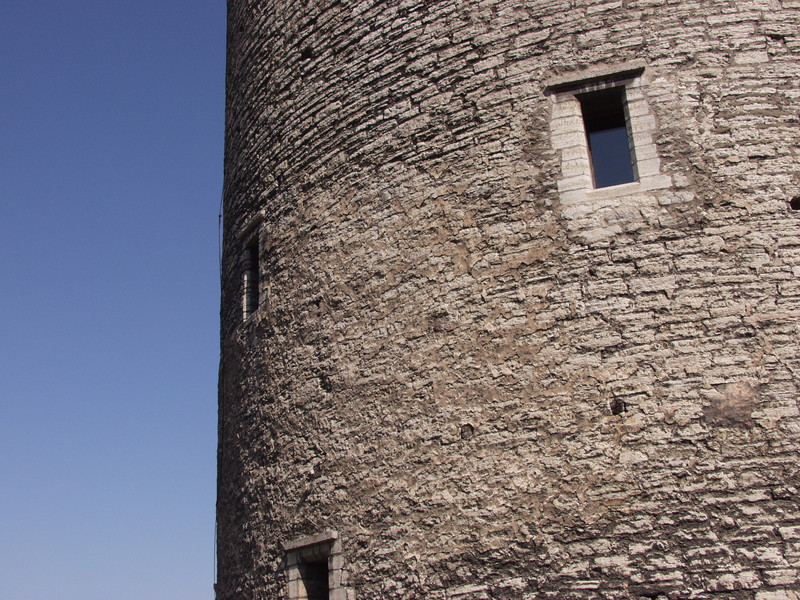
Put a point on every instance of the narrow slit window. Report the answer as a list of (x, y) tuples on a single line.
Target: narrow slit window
[(608, 136), (250, 280)]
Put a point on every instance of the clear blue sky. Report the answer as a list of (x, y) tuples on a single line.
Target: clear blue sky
[(111, 137)]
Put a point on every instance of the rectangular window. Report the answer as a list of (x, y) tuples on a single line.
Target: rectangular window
[(608, 136), (314, 568), (250, 277), (314, 578)]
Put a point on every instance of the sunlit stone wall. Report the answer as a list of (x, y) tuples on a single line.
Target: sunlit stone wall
[(469, 371)]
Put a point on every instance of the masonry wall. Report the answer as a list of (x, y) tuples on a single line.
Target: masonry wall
[(489, 386)]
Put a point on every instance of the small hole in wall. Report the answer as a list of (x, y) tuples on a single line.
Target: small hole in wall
[(307, 53), (467, 431), (617, 406), (794, 203), (325, 383)]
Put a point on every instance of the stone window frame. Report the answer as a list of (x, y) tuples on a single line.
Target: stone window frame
[(569, 137), (324, 543)]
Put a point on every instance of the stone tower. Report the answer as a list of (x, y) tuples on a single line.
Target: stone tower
[(510, 300)]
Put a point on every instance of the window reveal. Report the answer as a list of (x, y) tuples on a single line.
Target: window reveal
[(251, 296), (313, 572), (608, 136), (314, 568)]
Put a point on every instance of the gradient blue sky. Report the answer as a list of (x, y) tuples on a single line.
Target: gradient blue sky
[(111, 137)]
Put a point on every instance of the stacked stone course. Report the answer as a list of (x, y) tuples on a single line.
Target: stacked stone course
[(487, 388)]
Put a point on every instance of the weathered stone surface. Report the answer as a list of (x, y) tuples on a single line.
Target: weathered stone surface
[(489, 380)]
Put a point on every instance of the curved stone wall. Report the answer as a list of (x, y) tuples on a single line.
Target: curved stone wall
[(488, 378)]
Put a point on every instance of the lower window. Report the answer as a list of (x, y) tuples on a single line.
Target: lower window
[(314, 568)]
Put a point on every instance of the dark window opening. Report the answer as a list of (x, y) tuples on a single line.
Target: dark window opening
[(251, 270), (314, 576), (608, 136)]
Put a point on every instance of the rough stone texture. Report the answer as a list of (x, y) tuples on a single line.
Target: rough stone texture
[(488, 392)]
